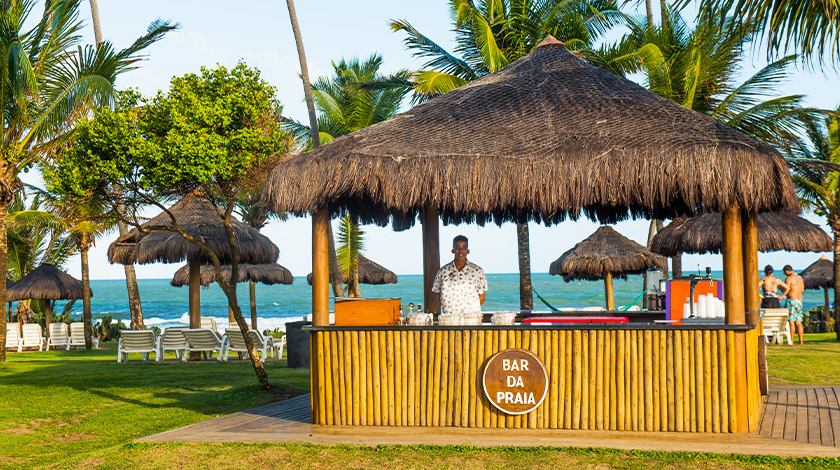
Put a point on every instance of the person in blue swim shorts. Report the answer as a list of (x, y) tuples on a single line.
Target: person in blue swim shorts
[(795, 287)]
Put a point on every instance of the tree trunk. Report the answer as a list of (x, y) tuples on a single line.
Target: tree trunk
[(676, 266), (134, 305), (663, 12), (834, 221), (233, 305), (3, 269), (94, 15), (523, 244), (252, 294), (353, 282), (86, 315), (649, 11), (826, 314), (335, 273)]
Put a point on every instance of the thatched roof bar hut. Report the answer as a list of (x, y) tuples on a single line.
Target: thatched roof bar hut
[(604, 255), (547, 138), (198, 217)]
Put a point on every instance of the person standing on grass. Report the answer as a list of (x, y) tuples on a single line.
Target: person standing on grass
[(770, 288), (795, 287), (461, 284)]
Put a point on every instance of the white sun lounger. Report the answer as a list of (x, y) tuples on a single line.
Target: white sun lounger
[(776, 326), (172, 339), (209, 323), (59, 336), (33, 336), (235, 341), (201, 340), (138, 341), (77, 336), (13, 339)]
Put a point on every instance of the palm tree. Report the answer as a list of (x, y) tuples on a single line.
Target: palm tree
[(819, 187), (808, 27), (85, 220), (490, 35), (49, 82), (335, 275), (345, 106)]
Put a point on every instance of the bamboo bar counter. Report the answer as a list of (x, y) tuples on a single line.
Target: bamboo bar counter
[(547, 138), (625, 377)]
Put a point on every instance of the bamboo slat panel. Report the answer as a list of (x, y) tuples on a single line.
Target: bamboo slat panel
[(646, 380)]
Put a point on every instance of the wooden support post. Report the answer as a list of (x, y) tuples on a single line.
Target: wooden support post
[(431, 257), (608, 291), (320, 269), (733, 284), (48, 318), (252, 293), (195, 293), (733, 271), (749, 247)]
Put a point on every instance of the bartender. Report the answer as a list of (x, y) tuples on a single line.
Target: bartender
[(461, 284)]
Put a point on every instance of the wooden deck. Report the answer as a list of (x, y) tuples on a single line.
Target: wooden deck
[(797, 421)]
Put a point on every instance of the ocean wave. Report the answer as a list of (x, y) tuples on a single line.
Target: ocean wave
[(263, 323)]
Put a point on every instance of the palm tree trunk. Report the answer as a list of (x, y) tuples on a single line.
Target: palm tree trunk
[(335, 274), (252, 294), (663, 12), (134, 306), (353, 282), (3, 268), (94, 14), (834, 221), (523, 244), (676, 266), (86, 315), (649, 10)]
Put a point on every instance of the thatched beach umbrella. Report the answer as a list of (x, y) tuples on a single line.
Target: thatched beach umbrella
[(547, 138), (776, 232), (369, 273), (268, 274), (604, 255), (197, 217), (820, 274), (46, 282)]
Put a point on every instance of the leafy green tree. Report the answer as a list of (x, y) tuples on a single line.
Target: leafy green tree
[(345, 106), (490, 34), (817, 180), (204, 135), (48, 83)]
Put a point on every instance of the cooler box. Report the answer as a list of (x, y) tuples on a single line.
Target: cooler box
[(367, 312), (561, 320)]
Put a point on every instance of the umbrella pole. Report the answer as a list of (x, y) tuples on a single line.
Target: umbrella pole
[(47, 317), (608, 292), (252, 291), (195, 295), (431, 257)]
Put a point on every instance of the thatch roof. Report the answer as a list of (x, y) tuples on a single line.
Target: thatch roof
[(9, 283), (199, 218), (369, 273), (605, 251), (45, 282), (263, 273), (703, 234), (546, 138), (819, 274)]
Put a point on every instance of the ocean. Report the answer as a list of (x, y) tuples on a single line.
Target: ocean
[(164, 305)]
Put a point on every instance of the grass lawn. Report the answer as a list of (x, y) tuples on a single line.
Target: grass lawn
[(80, 409)]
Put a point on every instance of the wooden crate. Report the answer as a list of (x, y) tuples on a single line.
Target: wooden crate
[(367, 312)]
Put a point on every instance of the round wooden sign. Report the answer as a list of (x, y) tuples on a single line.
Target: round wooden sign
[(515, 381)]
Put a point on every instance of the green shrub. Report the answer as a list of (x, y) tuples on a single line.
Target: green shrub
[(107, 330)]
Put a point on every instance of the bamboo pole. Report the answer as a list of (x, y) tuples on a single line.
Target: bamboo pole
[(577, 371), (356, 374), (320, 268), (383, 377), (647, 338), (688, 391), (749, 248), (443, 379), (723, 382), (663, 381), (367, 377), (707, 381), (608, 291), (328, 382), (712, 344), (431, 257), (376, 375), (679, 385), (733, 272), (599, 380), (411, 377), (628, 381), (733, 403), (555, 405), (475, 402), (619, 380), (455, 383), (567, 385), (482, 402), (425, 367), (612, 378), (584, 393), (419, 370), (635, 383), (466, 378), (399, 375), (672, 406), (349, 384), (390, 347), (694, 390)]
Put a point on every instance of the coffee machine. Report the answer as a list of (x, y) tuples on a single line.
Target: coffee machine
[(654, 298)]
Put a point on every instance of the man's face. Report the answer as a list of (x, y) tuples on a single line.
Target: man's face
[(460, 250), (788, 272)]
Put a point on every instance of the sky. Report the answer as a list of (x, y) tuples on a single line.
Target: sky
[(258, 32)]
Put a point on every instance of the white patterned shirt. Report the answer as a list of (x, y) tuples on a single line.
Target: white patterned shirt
[(459, 290)]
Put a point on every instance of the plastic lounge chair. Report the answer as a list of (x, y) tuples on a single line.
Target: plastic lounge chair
[(59, 336), (33, 336), (592, 309), (280, 345), (138, 341), (776, 325), (235, 341), (209, 323), (201, 340), (172, 339), (13, 339), (77, 336)]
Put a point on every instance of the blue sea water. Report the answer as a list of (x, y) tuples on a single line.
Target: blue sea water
[(164, 305)]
